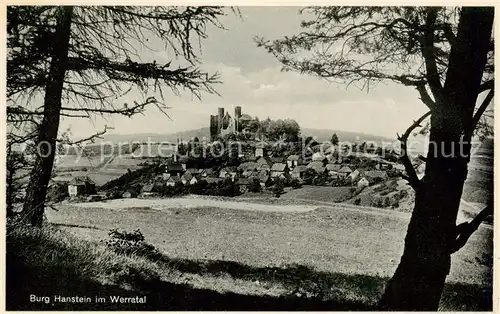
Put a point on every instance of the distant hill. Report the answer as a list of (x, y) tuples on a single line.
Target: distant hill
[(320, 135)]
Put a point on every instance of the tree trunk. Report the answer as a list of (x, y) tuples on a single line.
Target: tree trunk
[(47, 132), (10, 192), (420, 277)]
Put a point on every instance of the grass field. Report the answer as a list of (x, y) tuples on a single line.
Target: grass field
[(345, 256), (321, 193)]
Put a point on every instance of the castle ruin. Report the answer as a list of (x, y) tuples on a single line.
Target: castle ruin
[(222, 124)]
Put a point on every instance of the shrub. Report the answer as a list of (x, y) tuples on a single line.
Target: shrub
[(295, 183), (128, 243), (255, 186), (357, 201), (309, 176), (278, 188)]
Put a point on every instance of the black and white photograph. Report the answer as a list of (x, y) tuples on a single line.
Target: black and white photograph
[(207, 157)]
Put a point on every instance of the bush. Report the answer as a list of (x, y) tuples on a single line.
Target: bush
[(309, 176), (128, 243), (255, 186), (295, 183), (278, 188)]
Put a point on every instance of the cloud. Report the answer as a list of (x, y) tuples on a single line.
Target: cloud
[(269, 92)]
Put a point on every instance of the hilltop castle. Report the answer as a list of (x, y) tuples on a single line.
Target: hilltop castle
[(222, 124)]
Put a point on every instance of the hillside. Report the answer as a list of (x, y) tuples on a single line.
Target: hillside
[(319, 134)]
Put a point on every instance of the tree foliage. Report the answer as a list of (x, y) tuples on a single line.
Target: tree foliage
[(446, 55), (104, 61), (95, 57)]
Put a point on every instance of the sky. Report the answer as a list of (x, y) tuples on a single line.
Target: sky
[(252, 79)]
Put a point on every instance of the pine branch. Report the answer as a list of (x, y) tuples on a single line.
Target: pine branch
[(87, 139), (405, 159)]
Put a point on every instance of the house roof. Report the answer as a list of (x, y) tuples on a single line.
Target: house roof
[(174, 167), (249, 165), (194, 171), (213, 180), (166, 176), (375, 174), (147, 188), (299, 169), (227, 169), (208, 171), (333, 167), (187, 176), (345, 169), (263, 177), (174, 179), (316, 165), (318, 156), (264, 160), (293, 158), (278, 167), (250, 157), (198, 178), (261, 145), (244, 181), (81, 180), (277, 159)]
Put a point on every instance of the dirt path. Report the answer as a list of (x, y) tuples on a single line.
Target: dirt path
[(193, 202)]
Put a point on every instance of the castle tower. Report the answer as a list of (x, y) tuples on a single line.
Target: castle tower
[(237, 116), (214, 127)]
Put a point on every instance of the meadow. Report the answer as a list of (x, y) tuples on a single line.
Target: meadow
[(327, 258)]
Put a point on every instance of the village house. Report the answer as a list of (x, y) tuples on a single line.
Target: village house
[(166, 176), (375, 176), (228, 173), (174, 169), (318, 157), (248, 173), (248, 166), (265, 179), (277, 159), (183, 162), (317, 166), (298, 172), (334, 158), (207, 172), (243, 184), (173, 181), (186, 178), (129, 194), (213, 180), (264, 163), (278, 170), (333, 170), (81, 185), (344, 171), (148, 190), (193, 171), (250, 157), (353, 175), (363, 182), (292, 161), (260, 149), (196, 179)]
